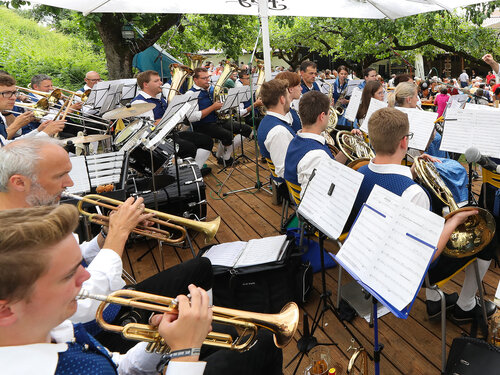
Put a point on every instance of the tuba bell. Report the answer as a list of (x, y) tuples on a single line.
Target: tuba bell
[(468, 238), (194, 62), (220, 91), (179, 74)]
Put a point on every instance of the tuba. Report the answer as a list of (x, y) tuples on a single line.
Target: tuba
[(194, 62), (283, 325), (468, 238), (220, 91), (353, 146), (261, 77), (179, 74)]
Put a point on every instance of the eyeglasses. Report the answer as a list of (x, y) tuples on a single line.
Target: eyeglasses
[(204, 78), (94, 80), (409, 135), (9, 94)]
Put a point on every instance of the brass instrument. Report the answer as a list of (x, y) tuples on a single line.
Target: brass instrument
[(353, 146), (333, 116), (40, 108), (219, 90), (194, 62), (283, 325), (209, 229), (83, 96), (179, 74), (330, 142), (358, 359), (468, 238), (52, 97)]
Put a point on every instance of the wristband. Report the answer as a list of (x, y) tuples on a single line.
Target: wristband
[(103, 234), (176, 354)]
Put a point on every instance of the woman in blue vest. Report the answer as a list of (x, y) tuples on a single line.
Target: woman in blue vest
[(339, 91)]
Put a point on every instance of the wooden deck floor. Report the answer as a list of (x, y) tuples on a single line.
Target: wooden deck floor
[(411, 346)]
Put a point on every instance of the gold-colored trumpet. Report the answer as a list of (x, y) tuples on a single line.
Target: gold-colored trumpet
[(468, 238), (209, 228), (283, 325)]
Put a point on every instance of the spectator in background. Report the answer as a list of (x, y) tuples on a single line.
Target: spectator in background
[(464, 79), (441, 100)]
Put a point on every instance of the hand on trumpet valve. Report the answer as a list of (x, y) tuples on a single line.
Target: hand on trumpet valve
[(51, 127), (190, 327), (128, 216), (23, 119)]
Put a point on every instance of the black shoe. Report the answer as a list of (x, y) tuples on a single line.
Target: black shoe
[(205, 171), (460, 316), (434, 307), (225, 163)]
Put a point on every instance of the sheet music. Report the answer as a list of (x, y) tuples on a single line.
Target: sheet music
[(323, 86), (329, 213), (225, 254), (167, 127), (233, 98), (352, 85), (421, 125), (450, 113), (79, 176), (473, 128), (375, 105), (262, 250), (390, 247), (241, 254), (353, 106)]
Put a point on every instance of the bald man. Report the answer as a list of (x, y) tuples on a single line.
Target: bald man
[(91, 78)]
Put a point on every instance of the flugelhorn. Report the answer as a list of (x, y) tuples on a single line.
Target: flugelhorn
[(283, 325), (468, 238), (209, 228)]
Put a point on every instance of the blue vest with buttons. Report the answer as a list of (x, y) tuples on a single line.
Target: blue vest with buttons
[(205, 101), (247, 104), (161, 105), (307, 89), (85, 356), (297, 149), (296, 124), (266, 125)]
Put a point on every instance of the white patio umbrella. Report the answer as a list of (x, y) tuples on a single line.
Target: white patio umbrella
[(263, 8)]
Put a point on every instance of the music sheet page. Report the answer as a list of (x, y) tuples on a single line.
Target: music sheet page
[(421, 125), (374, 106), (225, 254), (353, 106), (391, 245), (262, 250), (473, 128), (79, 176), (329, 197)]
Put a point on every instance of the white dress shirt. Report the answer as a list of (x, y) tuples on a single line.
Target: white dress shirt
[(105, 268), (277, 142), (414, 193), (310, 160), (32, 133), (195, 115), (41, 359)]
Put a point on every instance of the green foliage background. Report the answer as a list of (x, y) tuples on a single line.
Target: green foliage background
[(26, 49)]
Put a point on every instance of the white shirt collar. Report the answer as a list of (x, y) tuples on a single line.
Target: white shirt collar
[(147, 96), (316, 137), (86, 87), (40, 359), (390, 169), (196, 87), (286, 118)]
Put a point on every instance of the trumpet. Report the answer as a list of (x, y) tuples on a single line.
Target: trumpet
[(209, 229), (283, 325)]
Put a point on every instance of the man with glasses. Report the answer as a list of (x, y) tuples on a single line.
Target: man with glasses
[(389, 136), (308, 74), (205, 120), (10, 124), (91, 78), (245, 108)]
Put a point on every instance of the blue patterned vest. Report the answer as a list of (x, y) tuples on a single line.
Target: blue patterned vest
[(307, 89), (85, 356), (205, 101), (296, 124), (297, 149), (161, 105)]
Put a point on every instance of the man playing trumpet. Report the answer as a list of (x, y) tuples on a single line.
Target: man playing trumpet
[(40, 276)]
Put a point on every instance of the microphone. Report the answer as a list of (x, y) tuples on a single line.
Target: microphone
[(381, 41), (473, 155)]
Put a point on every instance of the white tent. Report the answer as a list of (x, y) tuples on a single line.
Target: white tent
[(263, 8)]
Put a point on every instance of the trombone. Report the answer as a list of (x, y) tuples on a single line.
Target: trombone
[(283, 325), (209, 229)]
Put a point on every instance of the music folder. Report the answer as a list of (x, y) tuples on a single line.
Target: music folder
[(390, 248), (329, 196)]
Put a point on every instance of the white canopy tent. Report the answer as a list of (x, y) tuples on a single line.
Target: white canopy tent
[(263, 8)]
